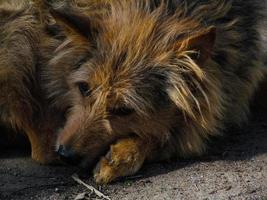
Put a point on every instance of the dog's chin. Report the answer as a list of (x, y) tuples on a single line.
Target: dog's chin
[(89, 162)]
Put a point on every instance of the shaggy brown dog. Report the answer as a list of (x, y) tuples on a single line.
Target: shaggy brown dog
[(137, 80), (155, 80)]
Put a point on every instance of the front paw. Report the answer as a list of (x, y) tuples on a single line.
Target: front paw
[(104, 172), (124, 158)]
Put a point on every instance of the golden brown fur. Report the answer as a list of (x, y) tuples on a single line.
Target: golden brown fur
[(157, 80), (28, 38), (133, 81)]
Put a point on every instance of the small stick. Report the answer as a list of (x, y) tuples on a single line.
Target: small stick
[(91, 188)]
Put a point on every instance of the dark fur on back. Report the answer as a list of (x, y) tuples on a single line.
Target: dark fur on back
[(28, 36), (142, 80)]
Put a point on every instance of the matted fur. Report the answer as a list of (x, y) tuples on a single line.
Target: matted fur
[(145, 56), (137, 80), (28, 38)]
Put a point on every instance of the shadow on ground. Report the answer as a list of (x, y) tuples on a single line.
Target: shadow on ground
[(234, 167)]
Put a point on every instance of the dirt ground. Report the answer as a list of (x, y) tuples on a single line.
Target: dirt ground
[(234, 168)]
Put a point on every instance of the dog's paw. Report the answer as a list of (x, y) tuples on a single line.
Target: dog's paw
[(124, 158)]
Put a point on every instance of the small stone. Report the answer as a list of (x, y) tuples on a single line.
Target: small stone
[(212, 192), (228, 188), (252, 191)]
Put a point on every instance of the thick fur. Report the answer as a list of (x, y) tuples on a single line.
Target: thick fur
[(29, 35), (162, 77), (137, 80), (27, 40)]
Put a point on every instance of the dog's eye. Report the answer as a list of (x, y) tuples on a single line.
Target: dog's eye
[(84, 89), (80, 62), (121, 111)]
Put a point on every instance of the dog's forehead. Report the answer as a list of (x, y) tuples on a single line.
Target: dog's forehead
[(128, 57), (125, 69), (135, 31)]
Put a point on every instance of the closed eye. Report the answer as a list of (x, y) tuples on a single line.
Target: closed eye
[(121, 111)]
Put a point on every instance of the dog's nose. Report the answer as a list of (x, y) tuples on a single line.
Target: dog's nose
[(68, 155)]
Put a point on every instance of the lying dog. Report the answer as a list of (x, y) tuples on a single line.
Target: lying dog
[(155, 79), (129, 81)]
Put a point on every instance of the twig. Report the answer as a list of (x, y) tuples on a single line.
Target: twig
[(91, 188)]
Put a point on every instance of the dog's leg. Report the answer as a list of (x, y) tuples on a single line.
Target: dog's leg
[(41, 147), (125, 158)]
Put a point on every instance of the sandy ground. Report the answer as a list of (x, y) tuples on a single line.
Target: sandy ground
[(234, 168)]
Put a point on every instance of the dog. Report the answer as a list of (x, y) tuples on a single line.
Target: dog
[(114, 84), (156, 79)]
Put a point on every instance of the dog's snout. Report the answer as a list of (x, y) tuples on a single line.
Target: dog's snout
[(64, 152), (68, 155)]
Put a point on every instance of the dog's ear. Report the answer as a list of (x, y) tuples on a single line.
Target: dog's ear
[(185, 89), (201, 43), (74, 23)]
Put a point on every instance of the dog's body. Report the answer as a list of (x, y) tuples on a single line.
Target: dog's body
[(141, 80), (27, 42)]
